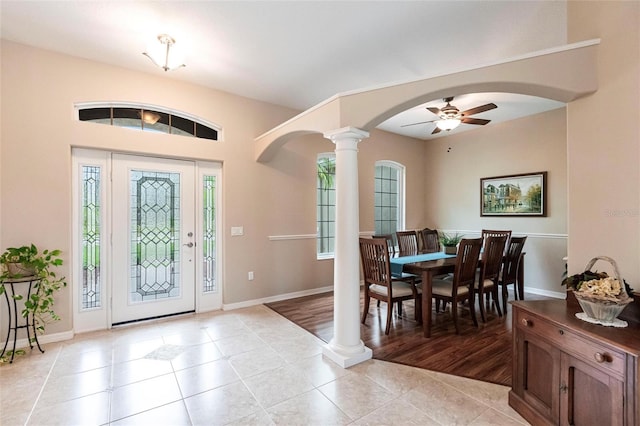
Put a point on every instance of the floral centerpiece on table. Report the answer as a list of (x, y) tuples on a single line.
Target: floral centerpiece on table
[(601, 297)]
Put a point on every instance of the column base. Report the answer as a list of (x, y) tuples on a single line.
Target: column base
[(346, 359)]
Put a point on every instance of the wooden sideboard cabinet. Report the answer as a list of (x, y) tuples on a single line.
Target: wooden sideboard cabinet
[(570, 372)]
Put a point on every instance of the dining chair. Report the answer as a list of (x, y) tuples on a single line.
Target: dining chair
[(380, 285), (407, 242), (430, 240), (390, 243), (509, 273), (496, 233), (460, 287), (489, 273), (403, 276)]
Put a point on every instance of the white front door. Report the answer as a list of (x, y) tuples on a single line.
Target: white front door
[(153, 237)]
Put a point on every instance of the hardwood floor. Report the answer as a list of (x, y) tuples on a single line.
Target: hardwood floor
[(483, 353)]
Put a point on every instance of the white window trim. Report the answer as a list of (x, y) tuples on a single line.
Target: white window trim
[(325, 255), (401, 189)]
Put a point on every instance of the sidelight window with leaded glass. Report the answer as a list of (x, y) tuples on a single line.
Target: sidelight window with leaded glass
[(91, 278), (209, 234)]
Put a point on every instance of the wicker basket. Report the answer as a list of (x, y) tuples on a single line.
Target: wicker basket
[(603, 309)]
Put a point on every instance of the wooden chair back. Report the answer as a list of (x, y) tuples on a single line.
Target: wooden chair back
[(492, 257), (467, 263), (374, 253), (512, 260), (407, 242), (495, 233), (430, 240), (390, 243)]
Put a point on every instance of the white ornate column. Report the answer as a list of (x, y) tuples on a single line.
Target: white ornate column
[(346, 347)]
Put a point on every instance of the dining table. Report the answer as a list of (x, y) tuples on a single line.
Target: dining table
[(427, 266)]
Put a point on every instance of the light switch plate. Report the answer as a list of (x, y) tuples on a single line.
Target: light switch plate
[(237, 230)]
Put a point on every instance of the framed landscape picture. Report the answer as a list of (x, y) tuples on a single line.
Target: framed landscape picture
[(514, 195)]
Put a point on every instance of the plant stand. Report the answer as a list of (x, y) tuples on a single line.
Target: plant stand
[(12, 309)]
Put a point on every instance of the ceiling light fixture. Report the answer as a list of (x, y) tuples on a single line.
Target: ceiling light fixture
[(159, 53), (448, 123)]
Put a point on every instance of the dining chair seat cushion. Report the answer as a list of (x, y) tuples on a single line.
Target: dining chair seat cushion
[(400, 289), (444, 288), (487, 282)]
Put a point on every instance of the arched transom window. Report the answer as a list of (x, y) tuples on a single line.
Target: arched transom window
[(148, 118)]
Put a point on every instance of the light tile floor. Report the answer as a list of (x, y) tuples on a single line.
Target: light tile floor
[(243, 367)]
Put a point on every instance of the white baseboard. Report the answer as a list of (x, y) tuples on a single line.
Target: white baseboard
[(548, 293), (278, 298), (23, 343)]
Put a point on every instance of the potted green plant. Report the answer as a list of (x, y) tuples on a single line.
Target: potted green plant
[(450, 242), (27, 261)]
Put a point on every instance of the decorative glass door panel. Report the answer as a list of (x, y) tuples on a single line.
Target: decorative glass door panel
[(153, 237)]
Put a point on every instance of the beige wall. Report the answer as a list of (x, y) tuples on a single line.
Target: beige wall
[(456, 163), (39, 129), (603, 173), (603, 142)]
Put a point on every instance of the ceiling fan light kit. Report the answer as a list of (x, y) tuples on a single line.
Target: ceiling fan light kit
[(451, 117), (448, 124)]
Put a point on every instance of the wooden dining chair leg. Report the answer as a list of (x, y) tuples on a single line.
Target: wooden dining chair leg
[(494, 296), (400, 308), (483, 312), (454, 315), (472, 309), (389, 314), (437, 305), (505, 293), (418, 310), (366, 308)]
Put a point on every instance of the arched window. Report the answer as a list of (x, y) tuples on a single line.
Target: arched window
[(147, 118), (389, 197), (326, 204)]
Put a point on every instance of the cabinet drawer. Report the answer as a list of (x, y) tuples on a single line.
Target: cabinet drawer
[(567, 341)]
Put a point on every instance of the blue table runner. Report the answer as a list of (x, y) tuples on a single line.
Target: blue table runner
[(397, 263)]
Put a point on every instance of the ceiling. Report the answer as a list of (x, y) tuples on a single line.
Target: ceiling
[(299, 53)]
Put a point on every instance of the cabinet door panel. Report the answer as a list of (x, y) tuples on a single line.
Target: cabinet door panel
[(540, 375), (589, 395)]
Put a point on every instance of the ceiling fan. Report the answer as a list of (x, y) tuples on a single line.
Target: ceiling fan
[(450, 117)]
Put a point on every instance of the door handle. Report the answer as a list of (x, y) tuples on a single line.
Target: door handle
[(189, 245)]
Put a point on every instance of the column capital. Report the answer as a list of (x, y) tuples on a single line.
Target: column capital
[(346, 133)]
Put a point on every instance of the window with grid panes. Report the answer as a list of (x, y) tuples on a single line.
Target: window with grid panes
[(389, 197), (326, 204)]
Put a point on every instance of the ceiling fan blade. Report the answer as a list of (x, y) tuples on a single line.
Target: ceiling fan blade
[(434, 110), (479, 121), (479, 109), (420, 122), (436, 130)]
